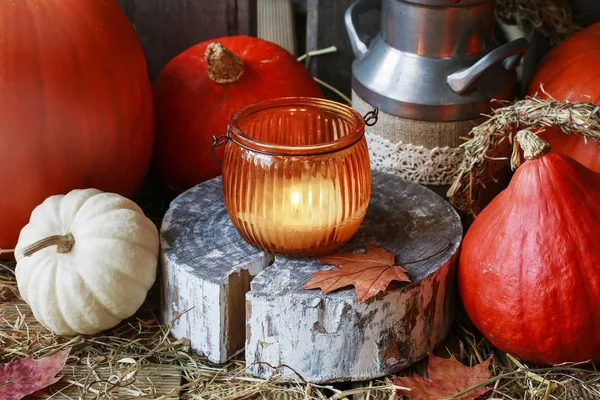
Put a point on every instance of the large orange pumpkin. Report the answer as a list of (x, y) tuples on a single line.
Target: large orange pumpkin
[(194, 102), (570, 72), (75, 104), (528, 273)]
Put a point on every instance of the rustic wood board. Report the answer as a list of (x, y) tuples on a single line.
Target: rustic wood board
[(333, 337), (152, 381), (167, 27), (275, 23), (325, 27)]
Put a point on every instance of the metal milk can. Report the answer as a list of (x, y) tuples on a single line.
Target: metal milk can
[(431, 71)]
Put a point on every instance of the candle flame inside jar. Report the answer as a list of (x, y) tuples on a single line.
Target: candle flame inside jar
[(298, 213), (296, 196), (302, 205)]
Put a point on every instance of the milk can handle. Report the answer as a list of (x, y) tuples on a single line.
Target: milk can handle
[(464, 80), (359, 46)]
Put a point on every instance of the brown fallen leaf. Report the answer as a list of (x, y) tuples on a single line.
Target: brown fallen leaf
[(447, 377), (369, 273), (26, 376)]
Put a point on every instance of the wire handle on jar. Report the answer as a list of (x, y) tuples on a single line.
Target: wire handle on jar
[(218, 141), (371, 117)]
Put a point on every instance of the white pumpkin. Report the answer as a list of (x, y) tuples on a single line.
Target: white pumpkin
[(93, 258)]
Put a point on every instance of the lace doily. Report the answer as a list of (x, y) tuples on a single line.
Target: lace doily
[(436, 166)]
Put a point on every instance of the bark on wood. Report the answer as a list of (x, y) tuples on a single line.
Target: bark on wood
[(328, 338), (206, 271)]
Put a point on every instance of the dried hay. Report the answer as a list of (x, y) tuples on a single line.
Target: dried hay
[(552, 18), (489, 150), (127, 361)]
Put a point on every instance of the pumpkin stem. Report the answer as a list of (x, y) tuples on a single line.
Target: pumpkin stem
[(533, 147), (63, 243), (224, 66)]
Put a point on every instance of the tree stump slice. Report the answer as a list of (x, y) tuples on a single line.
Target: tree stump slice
[(333, 337), (206, 272), (207, 269)]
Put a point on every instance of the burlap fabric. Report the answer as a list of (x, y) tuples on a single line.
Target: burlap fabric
[(420, 151)]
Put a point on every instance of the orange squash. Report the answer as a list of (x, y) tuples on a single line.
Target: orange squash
[(75, 104), (196, 98), (529, 274), (570, 72)]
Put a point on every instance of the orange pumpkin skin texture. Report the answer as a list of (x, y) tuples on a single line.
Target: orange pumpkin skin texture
[(191, 107), (570, 71), (529, 270), (75, 104), (574, 146)]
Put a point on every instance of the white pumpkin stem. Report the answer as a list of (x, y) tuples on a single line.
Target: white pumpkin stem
[(533, 147), (63, 243), (224, 66)]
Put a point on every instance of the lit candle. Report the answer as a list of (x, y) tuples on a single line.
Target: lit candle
[(307, 205), (299, 214)]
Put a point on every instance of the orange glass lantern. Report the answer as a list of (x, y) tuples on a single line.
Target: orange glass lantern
[(296, 175)]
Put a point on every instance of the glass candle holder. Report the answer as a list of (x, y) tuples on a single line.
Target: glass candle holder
[(296, 175)]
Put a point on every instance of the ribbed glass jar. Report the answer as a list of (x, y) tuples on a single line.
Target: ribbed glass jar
[(296, 175)]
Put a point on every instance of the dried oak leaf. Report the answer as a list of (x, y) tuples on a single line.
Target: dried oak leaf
[(447, 377), (369, 273), (26, 376)]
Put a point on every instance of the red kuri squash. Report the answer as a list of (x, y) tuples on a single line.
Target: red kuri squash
[(198, 91), (529, 270), (75, 104), (570, 72)]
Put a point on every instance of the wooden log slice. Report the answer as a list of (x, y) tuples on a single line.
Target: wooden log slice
[(206, 271), (333, 337)]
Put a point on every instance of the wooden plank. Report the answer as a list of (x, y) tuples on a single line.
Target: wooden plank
[(120, 381), (81, 382), (325, 27), (166, 28), (17, 312), (275, 23)]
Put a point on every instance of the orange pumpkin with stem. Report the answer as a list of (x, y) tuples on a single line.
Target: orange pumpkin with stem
[(529, 274), (199, 90)]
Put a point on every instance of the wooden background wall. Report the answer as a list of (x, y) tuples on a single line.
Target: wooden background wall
[(167, 27), (325, 27)]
